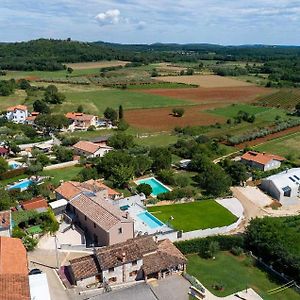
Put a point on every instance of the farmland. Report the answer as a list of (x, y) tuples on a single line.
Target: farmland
[(97, 64), (206, 81), (287, 146), (286, 99), (193, 216)]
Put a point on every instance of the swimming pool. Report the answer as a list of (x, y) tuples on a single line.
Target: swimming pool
[(22, 185), (150, 220), (157, 186)]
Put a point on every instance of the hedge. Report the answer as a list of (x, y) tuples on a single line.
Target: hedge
[(226, 243), (13, 173)]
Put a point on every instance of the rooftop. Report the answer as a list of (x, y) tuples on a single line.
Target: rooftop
[(288, 178), (99, 211), (261, 158), (17, 107), (3, 150), (79, 116), (89, 146), (35, 203)]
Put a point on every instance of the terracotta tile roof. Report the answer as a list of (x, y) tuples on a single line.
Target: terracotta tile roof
[(19, 107), (100, 184), (87, 146), (5, 219), (261, 158), (12, 250), (14, 287), (99, 211), (35, 203), (79, 116), (167, 256), (84, 267), (112, 256), (3, 150), (69, 189), (126, 252)]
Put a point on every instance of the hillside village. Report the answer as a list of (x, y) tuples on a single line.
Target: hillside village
[(178, 184)]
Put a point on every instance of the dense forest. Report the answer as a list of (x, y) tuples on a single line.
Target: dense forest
[(280, 63)]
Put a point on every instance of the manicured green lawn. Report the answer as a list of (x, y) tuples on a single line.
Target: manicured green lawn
[(159, 140), (287, 146), (196, 215), (34, 229), (64, 174), (235, 274), (97, 101)]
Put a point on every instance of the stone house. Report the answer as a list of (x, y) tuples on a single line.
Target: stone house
[(136, 259), (90, 150)]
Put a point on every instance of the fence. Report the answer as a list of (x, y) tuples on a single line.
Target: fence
[(202, 233), (62, 165)]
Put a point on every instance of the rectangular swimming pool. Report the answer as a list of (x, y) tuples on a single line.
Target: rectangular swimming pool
[(157, 186), (150, 220), (22, 185)]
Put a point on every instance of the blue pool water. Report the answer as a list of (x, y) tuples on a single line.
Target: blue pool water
[(23, 185), (157, 186), (150, 220)]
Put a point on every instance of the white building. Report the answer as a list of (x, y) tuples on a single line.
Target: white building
[(89, 149), (17, 114), (284, 186)]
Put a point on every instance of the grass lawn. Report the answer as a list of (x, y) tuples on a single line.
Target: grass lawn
[(196, 215), (160, 140), (98, 100), (64, 174), (235, 274), (287, 146), (34, 229)]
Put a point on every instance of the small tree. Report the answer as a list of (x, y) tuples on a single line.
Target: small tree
[(123, 125), (212, 249), (80, 109), (121, 112), (178, 112), (144, 188), (41, 107), (3, 165), (70, 70), (110, 114)]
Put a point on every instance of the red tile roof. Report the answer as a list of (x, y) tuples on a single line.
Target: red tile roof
[(79, 116), (3, 150), (87, 146), (14, 287), (35, 203), (261, 158), (5, 219), (99, 211), (100, 184), (69, 189), (19, 107)]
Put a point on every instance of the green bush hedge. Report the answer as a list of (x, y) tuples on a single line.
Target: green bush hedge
[(226, 243), (12, 173)]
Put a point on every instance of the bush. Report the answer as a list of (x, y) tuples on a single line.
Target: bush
[(145, 189), (29, 242), (182, 181), (226, 243), (237, 251), (13, 173), (91, 128), (166, 176), (178, 112)]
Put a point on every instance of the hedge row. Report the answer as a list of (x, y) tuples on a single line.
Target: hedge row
[(226, 243), (13, 173)]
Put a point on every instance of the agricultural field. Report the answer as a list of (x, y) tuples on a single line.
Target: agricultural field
[(287, 146), (96, 101), (17, 98), (195, 215), (206, 81), (286, 99), (97, 64), (162, 140), (235, 274)]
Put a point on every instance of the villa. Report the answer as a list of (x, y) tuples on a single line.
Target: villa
[(90, 150), (81, 121), (136, 259), (17, 114), (262, 161)]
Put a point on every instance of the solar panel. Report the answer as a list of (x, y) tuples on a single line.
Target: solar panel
[(296, 177), (291, 178)]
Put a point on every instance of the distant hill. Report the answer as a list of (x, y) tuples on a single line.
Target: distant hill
[(49, 54)]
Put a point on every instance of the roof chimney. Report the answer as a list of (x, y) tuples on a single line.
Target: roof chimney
[(123, 257)]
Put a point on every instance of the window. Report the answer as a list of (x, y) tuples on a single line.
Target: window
[(134, 263), (112, 279), (120, 230), (85, 218), (94, 225), (110, 270), (286, 191)]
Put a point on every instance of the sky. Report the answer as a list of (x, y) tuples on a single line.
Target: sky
[(226, 22)]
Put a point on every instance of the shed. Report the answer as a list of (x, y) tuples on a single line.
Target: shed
[(58, 206)]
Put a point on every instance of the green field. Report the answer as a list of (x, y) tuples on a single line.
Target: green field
[(284, 99), (159, 85), (64, 174), (34, 229), (195, 215), (97, 101), (235, 274), (162, 140), (287, 146)]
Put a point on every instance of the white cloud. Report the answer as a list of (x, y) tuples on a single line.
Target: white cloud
[(111, 16)]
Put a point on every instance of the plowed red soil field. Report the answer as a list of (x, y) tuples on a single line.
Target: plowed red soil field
[(160, 119), (214, 95)]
